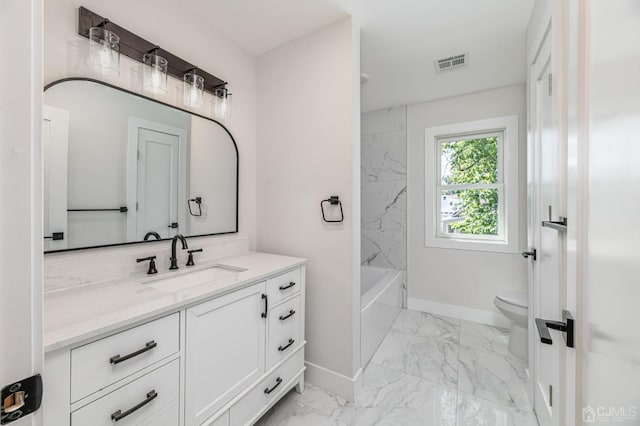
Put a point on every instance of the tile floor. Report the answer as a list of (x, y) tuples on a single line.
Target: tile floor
[(429, 370)]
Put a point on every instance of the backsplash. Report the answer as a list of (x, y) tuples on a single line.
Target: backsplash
[(384, 188), (75, 268)]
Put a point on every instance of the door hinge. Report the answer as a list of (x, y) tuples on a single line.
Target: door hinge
[(136, 206), (550, 84), (20, 399), (550, 396), (138, 154)]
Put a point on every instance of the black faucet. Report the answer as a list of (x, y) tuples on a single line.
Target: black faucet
[(150, 234), (174, 257)]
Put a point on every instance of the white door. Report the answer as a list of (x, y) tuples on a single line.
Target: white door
[(21, 353), (547, 202), (55, 152), (225, 350), (156, 184)]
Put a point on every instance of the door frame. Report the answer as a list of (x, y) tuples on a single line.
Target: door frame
[(135, 124), (21, 263)]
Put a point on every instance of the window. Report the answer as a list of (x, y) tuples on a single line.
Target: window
[(471, 186)]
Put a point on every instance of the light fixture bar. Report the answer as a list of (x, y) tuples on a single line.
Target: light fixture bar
[(135, 47)]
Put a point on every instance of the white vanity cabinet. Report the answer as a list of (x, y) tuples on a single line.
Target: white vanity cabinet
[(218, 361), (225, 350)]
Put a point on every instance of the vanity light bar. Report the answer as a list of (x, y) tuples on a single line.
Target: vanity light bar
[(135, 47)]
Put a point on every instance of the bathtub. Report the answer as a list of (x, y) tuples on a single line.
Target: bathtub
[(381, 301)]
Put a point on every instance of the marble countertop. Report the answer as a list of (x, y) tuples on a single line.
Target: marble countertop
[(80, 313)]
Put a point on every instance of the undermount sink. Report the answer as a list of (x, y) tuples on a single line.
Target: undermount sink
[(179, 281)]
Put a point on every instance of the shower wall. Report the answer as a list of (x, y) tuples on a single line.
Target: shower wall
[(384, 188)]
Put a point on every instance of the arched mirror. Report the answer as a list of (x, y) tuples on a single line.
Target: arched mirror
[(121, 168)]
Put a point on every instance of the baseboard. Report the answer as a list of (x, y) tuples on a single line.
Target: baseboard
[(495, 319), (336, 383)]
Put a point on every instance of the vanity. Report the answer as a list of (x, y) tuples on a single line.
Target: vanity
[(215, 345), (155, 313)]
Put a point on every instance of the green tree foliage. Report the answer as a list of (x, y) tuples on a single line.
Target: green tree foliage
[(473, 161)]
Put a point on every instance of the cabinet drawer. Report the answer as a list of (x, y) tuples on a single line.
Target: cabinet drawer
[(103, 362), (284, 331), (271, 387), (283, 286), (159, 387), (222, 420)]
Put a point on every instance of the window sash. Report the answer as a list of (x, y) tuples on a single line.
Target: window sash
[(501, 213), (498, 134), (499, 185)]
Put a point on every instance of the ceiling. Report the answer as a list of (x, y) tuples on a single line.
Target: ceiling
[(399, 40)]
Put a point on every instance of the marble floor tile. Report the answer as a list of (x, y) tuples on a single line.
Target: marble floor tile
[(420, 375), (319, 399), (430, 359), (493, 377), (290, 412), (428, 325), (390, 397), (485, 337), (474, 411)]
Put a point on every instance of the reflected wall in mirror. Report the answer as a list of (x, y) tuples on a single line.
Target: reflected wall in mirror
[(121, 168)]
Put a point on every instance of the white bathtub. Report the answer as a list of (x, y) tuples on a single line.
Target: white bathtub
[(380, 304)]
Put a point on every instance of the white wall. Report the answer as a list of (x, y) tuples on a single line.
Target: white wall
[(185, 35), (308, 149), (467, 279)]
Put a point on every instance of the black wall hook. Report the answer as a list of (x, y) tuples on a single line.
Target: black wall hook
[(332, 200)]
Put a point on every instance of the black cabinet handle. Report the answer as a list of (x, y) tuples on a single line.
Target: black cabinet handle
[(266, 306), (55, 236), (289, 315), (285, 347), (268, 391), (285, 287), (119, 415), (117, 359)]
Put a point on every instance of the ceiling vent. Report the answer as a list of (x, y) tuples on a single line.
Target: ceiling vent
[(451, 63)]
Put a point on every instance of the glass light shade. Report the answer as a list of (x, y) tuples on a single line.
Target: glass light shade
[(104, 51), (154, 74), (193, 90), (222, 105)]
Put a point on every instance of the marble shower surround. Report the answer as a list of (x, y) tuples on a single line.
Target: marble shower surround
[(384, 188)]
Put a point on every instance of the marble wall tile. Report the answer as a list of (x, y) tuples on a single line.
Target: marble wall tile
[(384, 188), (384, 206), (384, 120), (384, 157), (387, 249)]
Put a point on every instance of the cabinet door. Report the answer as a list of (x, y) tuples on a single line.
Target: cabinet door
[(225, 350)]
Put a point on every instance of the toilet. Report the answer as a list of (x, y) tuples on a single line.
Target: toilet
[(515, 305)]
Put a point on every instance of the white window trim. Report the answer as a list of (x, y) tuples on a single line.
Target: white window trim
[(508, 125)]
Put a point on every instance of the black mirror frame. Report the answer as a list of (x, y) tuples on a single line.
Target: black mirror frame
[(235, 145)]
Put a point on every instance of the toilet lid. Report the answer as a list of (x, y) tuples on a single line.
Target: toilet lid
[(516, 298)]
